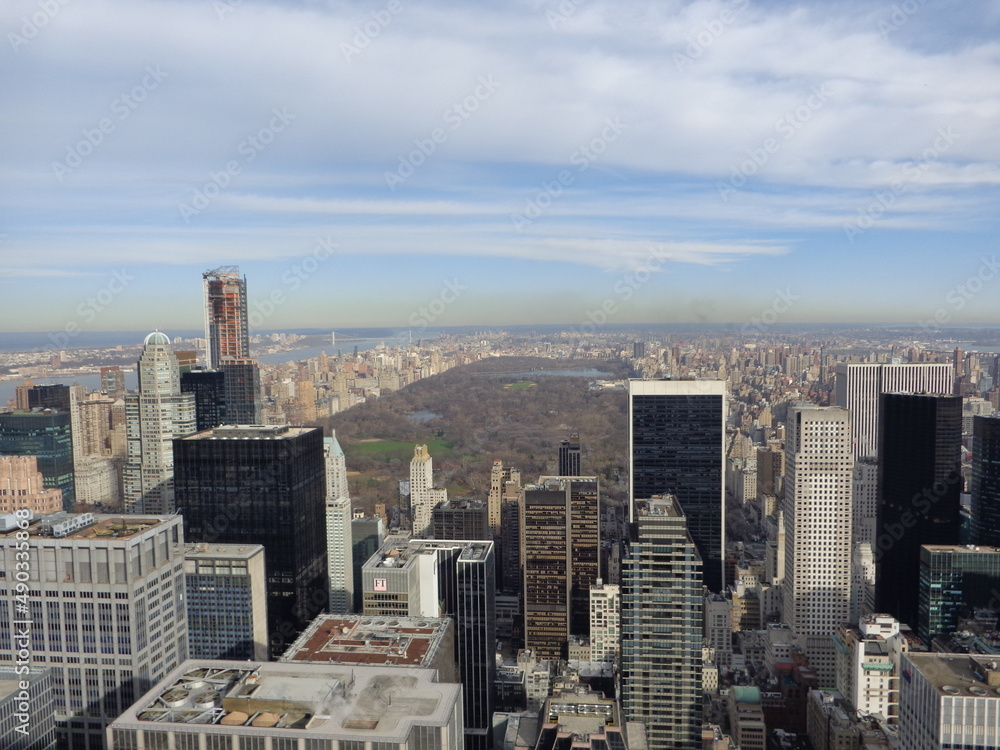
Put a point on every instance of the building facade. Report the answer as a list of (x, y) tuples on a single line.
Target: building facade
[(107, 610), (154, 416), (560, 559), (47, 435), (23, 486), (857, 388), (677, 447), (226, 321), (985, 485), (817, 512), (262, 485), (662, 627), (226, 601), (919, 490)]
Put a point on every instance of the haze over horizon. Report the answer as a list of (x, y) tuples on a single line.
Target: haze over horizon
[(688, 162)]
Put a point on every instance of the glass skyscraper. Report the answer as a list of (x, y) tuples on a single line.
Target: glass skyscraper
[(262, 485), (986, 480), (919, 487), (45, 434), (677, 447)]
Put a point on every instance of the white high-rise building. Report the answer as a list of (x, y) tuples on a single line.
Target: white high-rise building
[(817, 510), (423, 496), (107, 610), (336, 468), (154, 416), (339, 539), (868, 661), (858, 386), (605, 621)]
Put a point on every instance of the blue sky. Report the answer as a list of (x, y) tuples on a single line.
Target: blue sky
[(524, 162)]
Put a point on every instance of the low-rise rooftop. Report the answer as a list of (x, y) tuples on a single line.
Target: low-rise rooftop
[(371, 640), (378, 704)]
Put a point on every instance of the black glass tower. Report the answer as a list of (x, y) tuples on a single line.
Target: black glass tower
[(919, 489), (44, 433), (262, 485), (986, 481), (209, 389), (242, 389), (677, 447), (569, 457)]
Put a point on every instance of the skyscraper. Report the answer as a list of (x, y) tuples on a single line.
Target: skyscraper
[(444, 577), (108, 612), (262, 485), (226, 320), (858, 386), (569, 457), (228, 343), (339, 540), (242, 388), (986, 481), (919, 489), (463, 519), (226, 601), (45, 434), (154, 416), (560, 557), (677, 447), (23, 486), (817, 512), (423, 496), (500, 476), (209, 389), (661, 626)]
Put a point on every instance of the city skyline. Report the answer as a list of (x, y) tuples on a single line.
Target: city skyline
[(823, 164)]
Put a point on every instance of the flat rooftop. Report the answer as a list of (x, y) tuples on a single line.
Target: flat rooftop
[(250, 432), (955, 674), (63, 525), (224, 551), (370, 640), (656, 505), (378, 704), (962, 549), (401, 554)]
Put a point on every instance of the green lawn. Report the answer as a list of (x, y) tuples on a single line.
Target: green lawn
[(521, 385)]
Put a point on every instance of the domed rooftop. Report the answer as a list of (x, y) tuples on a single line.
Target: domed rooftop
[(156, 339)]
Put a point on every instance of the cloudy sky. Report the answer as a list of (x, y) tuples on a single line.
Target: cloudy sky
[(376, 163)]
